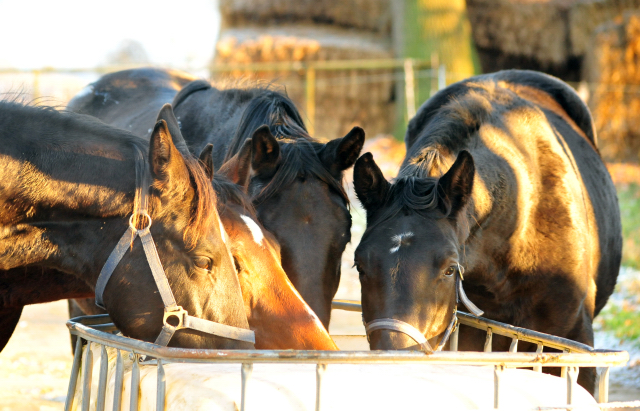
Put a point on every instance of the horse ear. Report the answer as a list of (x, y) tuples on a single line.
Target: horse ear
[(166, 114), (167, 164), (206, 159), (340, 154), (369, 182), (238, 167), (456, 184), (265, 152)]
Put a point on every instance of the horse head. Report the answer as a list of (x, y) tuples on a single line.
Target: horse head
[(410, 256)]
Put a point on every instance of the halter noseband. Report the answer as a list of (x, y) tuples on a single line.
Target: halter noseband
[(408, 329), (171, 308)]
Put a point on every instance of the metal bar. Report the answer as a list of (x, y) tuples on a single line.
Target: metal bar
[(563, 370), (520, 359), (514, 345), (320, 370), (603, 386), (310, 95), (539, 348), (409, 88), (364, 64), (73, 380), (119, 383), (135, 383), (497, 377), (161, 387), (572, 381), (453, 342), (499, 328), (102, 380), (488, 342), (87, 364), (246, 371)]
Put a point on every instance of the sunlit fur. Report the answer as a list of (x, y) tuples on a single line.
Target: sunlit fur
[(541, 237), (70, 182)]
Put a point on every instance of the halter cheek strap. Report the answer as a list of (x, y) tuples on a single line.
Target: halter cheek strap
[(414, 333), (171, 308)]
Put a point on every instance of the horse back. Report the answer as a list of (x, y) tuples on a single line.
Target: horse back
[(130, 99)]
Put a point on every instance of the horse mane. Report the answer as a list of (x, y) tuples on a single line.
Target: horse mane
[(228, 191), (205, 198), (298, 150)]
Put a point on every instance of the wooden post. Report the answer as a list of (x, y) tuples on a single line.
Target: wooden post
[(410, 88), (311, 99)]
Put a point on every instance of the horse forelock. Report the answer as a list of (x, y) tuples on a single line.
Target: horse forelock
[(204, 206), (229, 192), (299, 159)]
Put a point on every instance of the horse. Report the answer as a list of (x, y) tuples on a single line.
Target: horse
[(70, 186), (275, 310), (293, 182), (503, 187)]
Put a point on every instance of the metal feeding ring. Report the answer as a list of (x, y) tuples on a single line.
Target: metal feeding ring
[(143, 214)]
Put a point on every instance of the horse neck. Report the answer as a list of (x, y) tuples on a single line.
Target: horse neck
[(59, 192)]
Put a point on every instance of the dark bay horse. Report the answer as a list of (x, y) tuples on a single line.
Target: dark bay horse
[(294, 181), (503, 179), (69, 185), (279, 316)]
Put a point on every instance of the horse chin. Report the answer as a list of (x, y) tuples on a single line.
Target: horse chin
[(392, 340)]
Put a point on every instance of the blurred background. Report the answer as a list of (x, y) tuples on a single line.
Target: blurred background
[(369, 63)]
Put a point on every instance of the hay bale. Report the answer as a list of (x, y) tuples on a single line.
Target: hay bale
[(586, 15), (513, 34), (344, 98), (613, 67), (369, 15)]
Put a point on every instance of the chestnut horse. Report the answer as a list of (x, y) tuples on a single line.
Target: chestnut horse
[(69, 185), (502, 177), (276, 312)]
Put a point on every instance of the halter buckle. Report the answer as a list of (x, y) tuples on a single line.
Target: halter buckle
[(140, 214), (177, 311)]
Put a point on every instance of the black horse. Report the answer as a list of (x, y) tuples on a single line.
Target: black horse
[(502, 177), (69, 185), (294, 181)]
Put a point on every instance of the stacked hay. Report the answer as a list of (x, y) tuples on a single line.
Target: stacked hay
[(546, 35), (613, 67), (315, 31)]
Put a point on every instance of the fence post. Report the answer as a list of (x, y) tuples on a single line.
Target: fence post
[(410, 88), (320, 369), (442, 77), (245, 375), (310, 80)]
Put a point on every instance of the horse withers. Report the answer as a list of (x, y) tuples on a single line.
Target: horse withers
[(74, 190), (502, 187)]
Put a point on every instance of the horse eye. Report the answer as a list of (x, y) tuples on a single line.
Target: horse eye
[(450, 271), (203, 262)]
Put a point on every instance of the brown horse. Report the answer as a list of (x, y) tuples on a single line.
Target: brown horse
[(68, 187), (276, 312), (502, 177)]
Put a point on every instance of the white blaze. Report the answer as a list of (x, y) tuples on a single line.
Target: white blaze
[(396, 240), (256, 232)]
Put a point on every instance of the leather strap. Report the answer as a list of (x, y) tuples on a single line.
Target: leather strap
[(401, 326), (414, 333), (171, 309)]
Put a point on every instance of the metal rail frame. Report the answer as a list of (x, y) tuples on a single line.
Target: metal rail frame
[(97, 330)]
